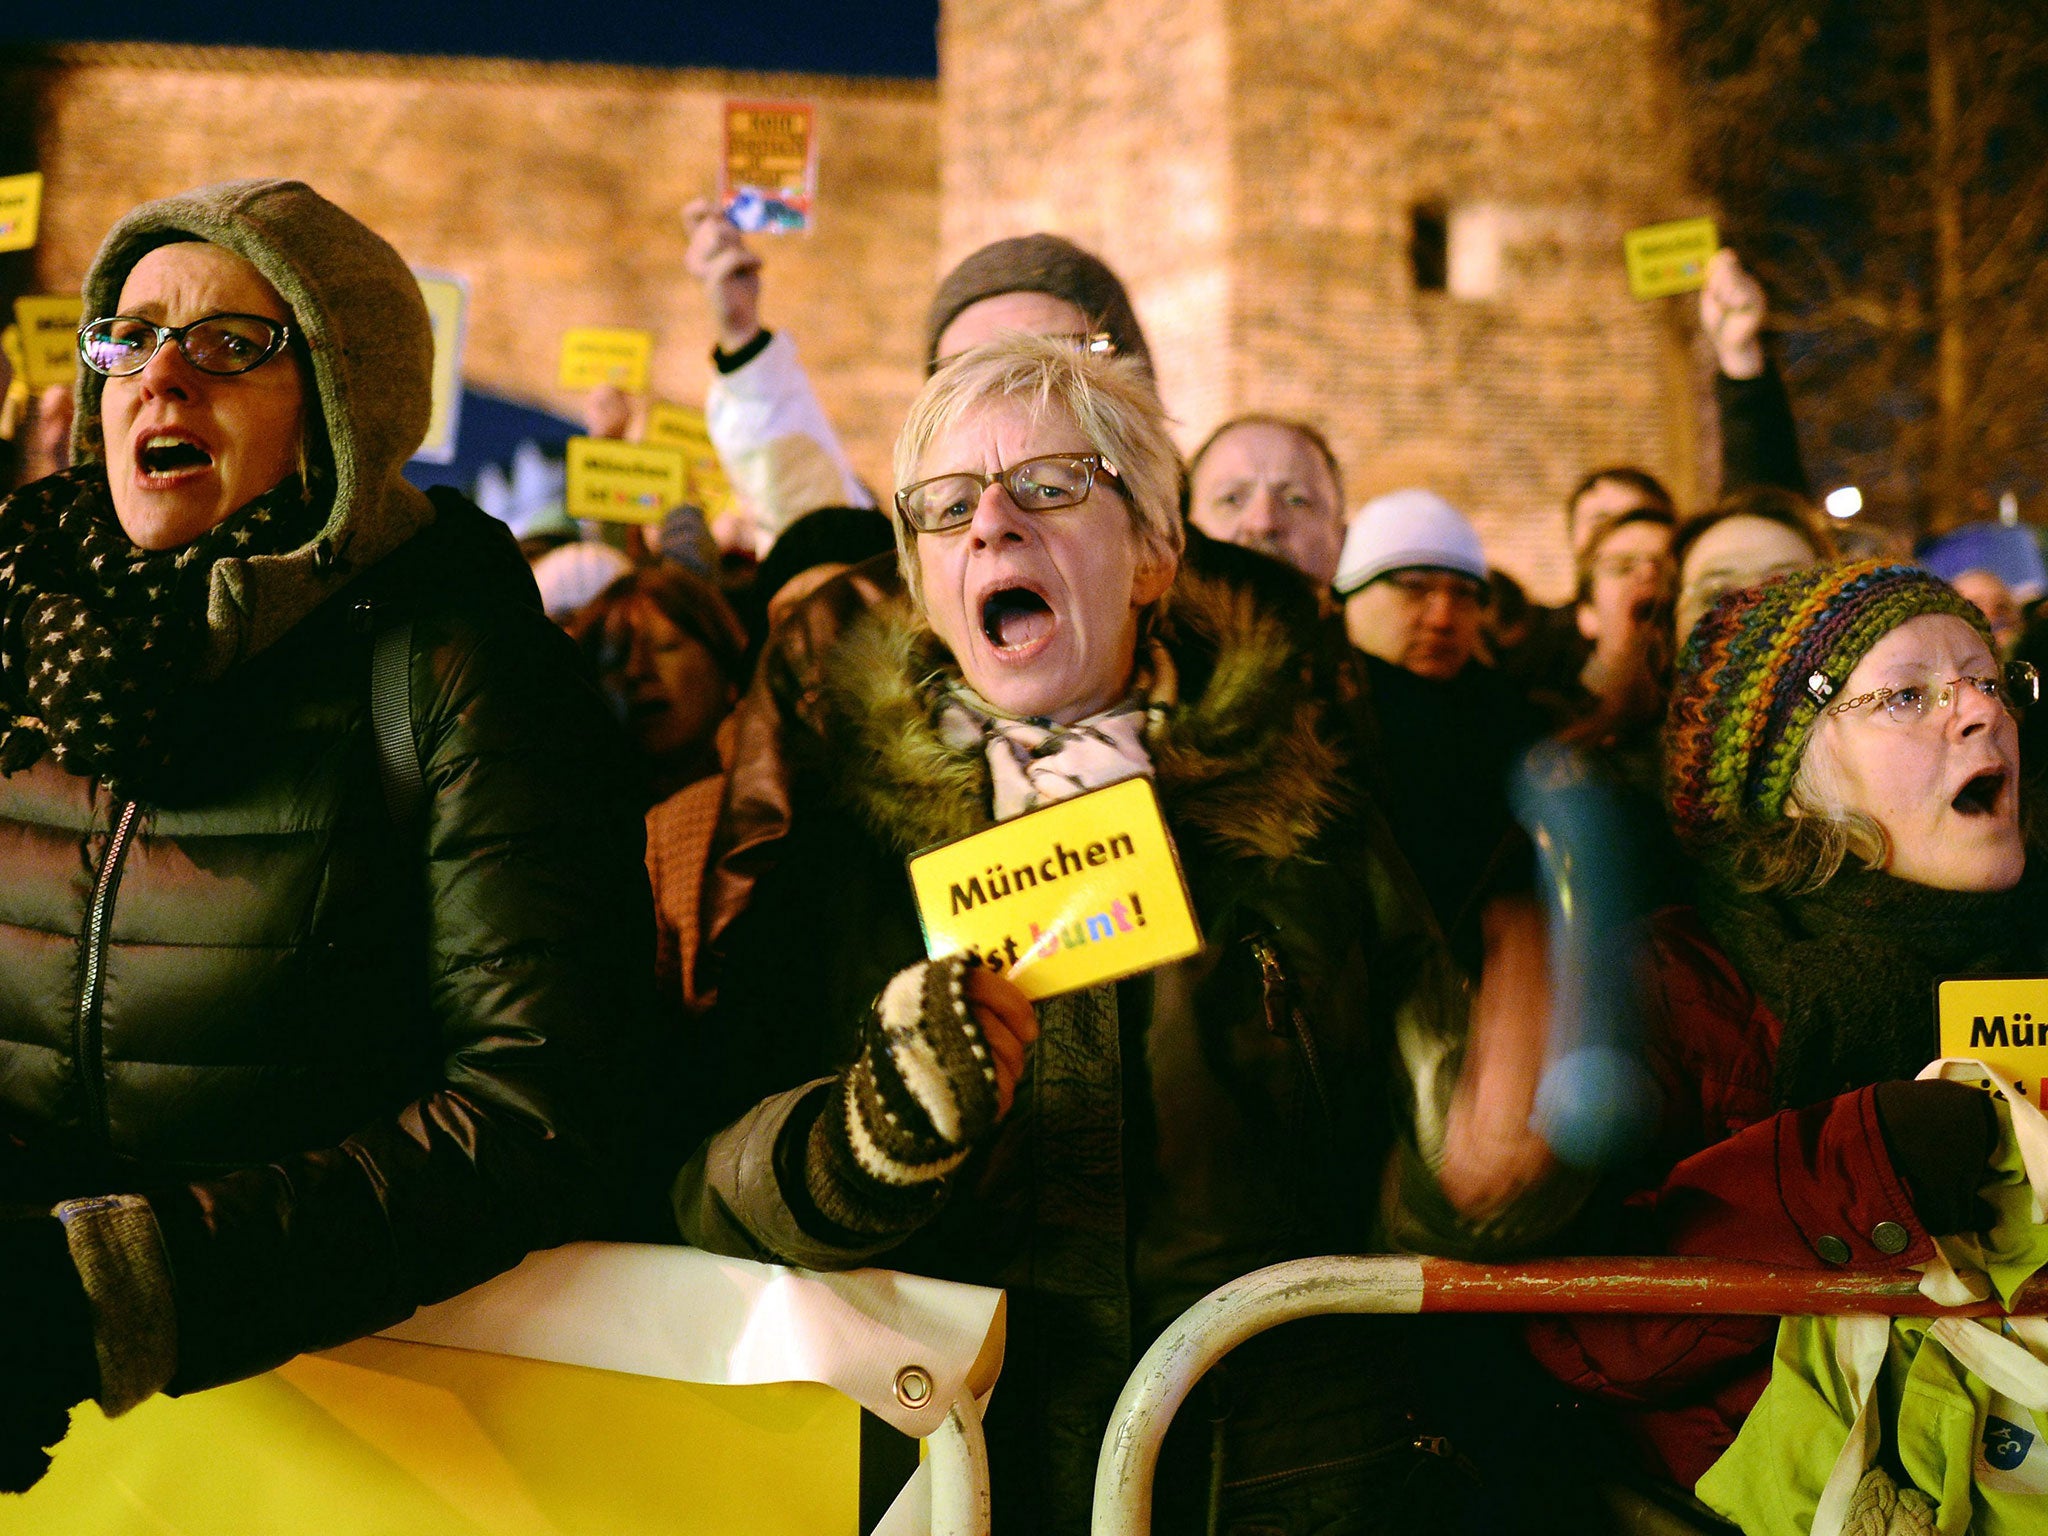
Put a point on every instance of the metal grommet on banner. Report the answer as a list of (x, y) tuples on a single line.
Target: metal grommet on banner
[(913, 1386)]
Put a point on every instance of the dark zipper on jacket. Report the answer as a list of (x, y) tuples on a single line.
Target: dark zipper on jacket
[(1284, 1017), (91, 1070)]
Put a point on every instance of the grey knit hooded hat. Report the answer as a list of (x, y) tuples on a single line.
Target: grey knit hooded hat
[(356, 310), (1039, 264)]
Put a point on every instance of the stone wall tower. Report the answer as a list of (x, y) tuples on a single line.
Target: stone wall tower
[(1276, 179)]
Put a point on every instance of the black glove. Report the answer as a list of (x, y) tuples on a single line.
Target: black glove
[(47, 1360), (1941, 1136), (904, 1115)]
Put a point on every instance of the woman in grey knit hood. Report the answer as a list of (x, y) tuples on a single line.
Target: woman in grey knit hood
[(291, 1041)]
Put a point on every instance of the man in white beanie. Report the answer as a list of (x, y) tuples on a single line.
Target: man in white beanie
[(1412, 578)]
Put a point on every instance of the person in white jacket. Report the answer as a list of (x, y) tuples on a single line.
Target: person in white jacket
[(772, 436), (778, 448)]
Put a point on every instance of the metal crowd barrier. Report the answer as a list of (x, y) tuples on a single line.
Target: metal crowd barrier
[(1403, 1284)]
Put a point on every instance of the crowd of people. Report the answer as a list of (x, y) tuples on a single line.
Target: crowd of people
[(385, 897)]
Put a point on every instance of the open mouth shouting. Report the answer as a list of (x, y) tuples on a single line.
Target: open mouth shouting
[(1017, 621), (165, 459), (1983, 794)]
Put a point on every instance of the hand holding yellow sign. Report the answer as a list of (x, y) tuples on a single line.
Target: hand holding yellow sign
[(681, 426), (623, 482), (593, 355), (49, 337), (2002, 1022), (21, 210), (1664, 259), (1085, 891)]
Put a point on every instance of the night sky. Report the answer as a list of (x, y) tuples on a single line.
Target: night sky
[(888, 37)]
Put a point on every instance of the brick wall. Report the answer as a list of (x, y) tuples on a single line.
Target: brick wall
[(1250, 166), (1107, 121), (553, 189)]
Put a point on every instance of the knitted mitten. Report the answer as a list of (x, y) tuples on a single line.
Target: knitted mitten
[(905, 1114)]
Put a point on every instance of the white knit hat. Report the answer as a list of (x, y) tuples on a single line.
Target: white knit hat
[(571, 576), (1403, 530)]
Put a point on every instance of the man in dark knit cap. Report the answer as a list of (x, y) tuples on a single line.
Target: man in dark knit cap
[(1039, 284)]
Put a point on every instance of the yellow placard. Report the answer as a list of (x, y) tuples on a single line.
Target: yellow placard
[(1669, 258), (594, 355), (1084, 891), (380, 1436), (447, 298), (49, 337), (684, 427), (21, 210), (624, 482), (2002, 1022)]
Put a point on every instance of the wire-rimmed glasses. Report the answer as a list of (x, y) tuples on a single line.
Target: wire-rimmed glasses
[(2018, 686)]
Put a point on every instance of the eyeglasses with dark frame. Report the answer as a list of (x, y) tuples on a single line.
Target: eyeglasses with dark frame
[(1042, 484), (2019, 686), (222, 345)]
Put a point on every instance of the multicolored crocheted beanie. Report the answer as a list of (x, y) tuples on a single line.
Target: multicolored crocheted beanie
[(1758, 670)]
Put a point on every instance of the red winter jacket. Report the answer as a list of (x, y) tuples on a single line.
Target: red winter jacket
[(1744, 1182)]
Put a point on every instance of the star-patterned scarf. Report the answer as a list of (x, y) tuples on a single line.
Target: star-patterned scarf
[(1033, 763), (97, 637)]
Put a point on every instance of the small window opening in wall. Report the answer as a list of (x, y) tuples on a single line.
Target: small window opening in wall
[(1429, 246)]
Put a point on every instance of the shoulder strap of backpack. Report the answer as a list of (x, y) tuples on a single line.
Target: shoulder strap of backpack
[(398, 754)]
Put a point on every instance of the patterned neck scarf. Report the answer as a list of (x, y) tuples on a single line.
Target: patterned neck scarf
[(98, 637), (1033, 762)]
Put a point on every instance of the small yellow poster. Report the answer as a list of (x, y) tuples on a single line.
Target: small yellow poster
[(594, 355), (21, 210), (2002, 1022), (447, 299), (683, 427), (49, 337), (1664, 259), (624, 482), (1084, 891)]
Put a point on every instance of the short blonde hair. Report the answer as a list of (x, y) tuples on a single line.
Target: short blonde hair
[(1111, 399)]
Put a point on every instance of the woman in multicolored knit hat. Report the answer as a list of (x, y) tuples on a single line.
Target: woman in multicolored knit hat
[(1842, 759)]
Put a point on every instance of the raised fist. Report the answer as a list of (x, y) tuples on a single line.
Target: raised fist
[(1732, 314), (718, 257)]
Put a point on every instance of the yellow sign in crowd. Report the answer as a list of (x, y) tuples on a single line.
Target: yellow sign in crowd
[(1085, 891)]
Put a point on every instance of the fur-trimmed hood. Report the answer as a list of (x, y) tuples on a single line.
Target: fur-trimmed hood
[(364, 326), (1242, 760)]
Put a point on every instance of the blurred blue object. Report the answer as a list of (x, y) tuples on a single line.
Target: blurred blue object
[(2011, 552), (1597, 1104), (492, 427)]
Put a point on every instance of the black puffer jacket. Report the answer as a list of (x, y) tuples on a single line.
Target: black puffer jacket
[(355, 1065)]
